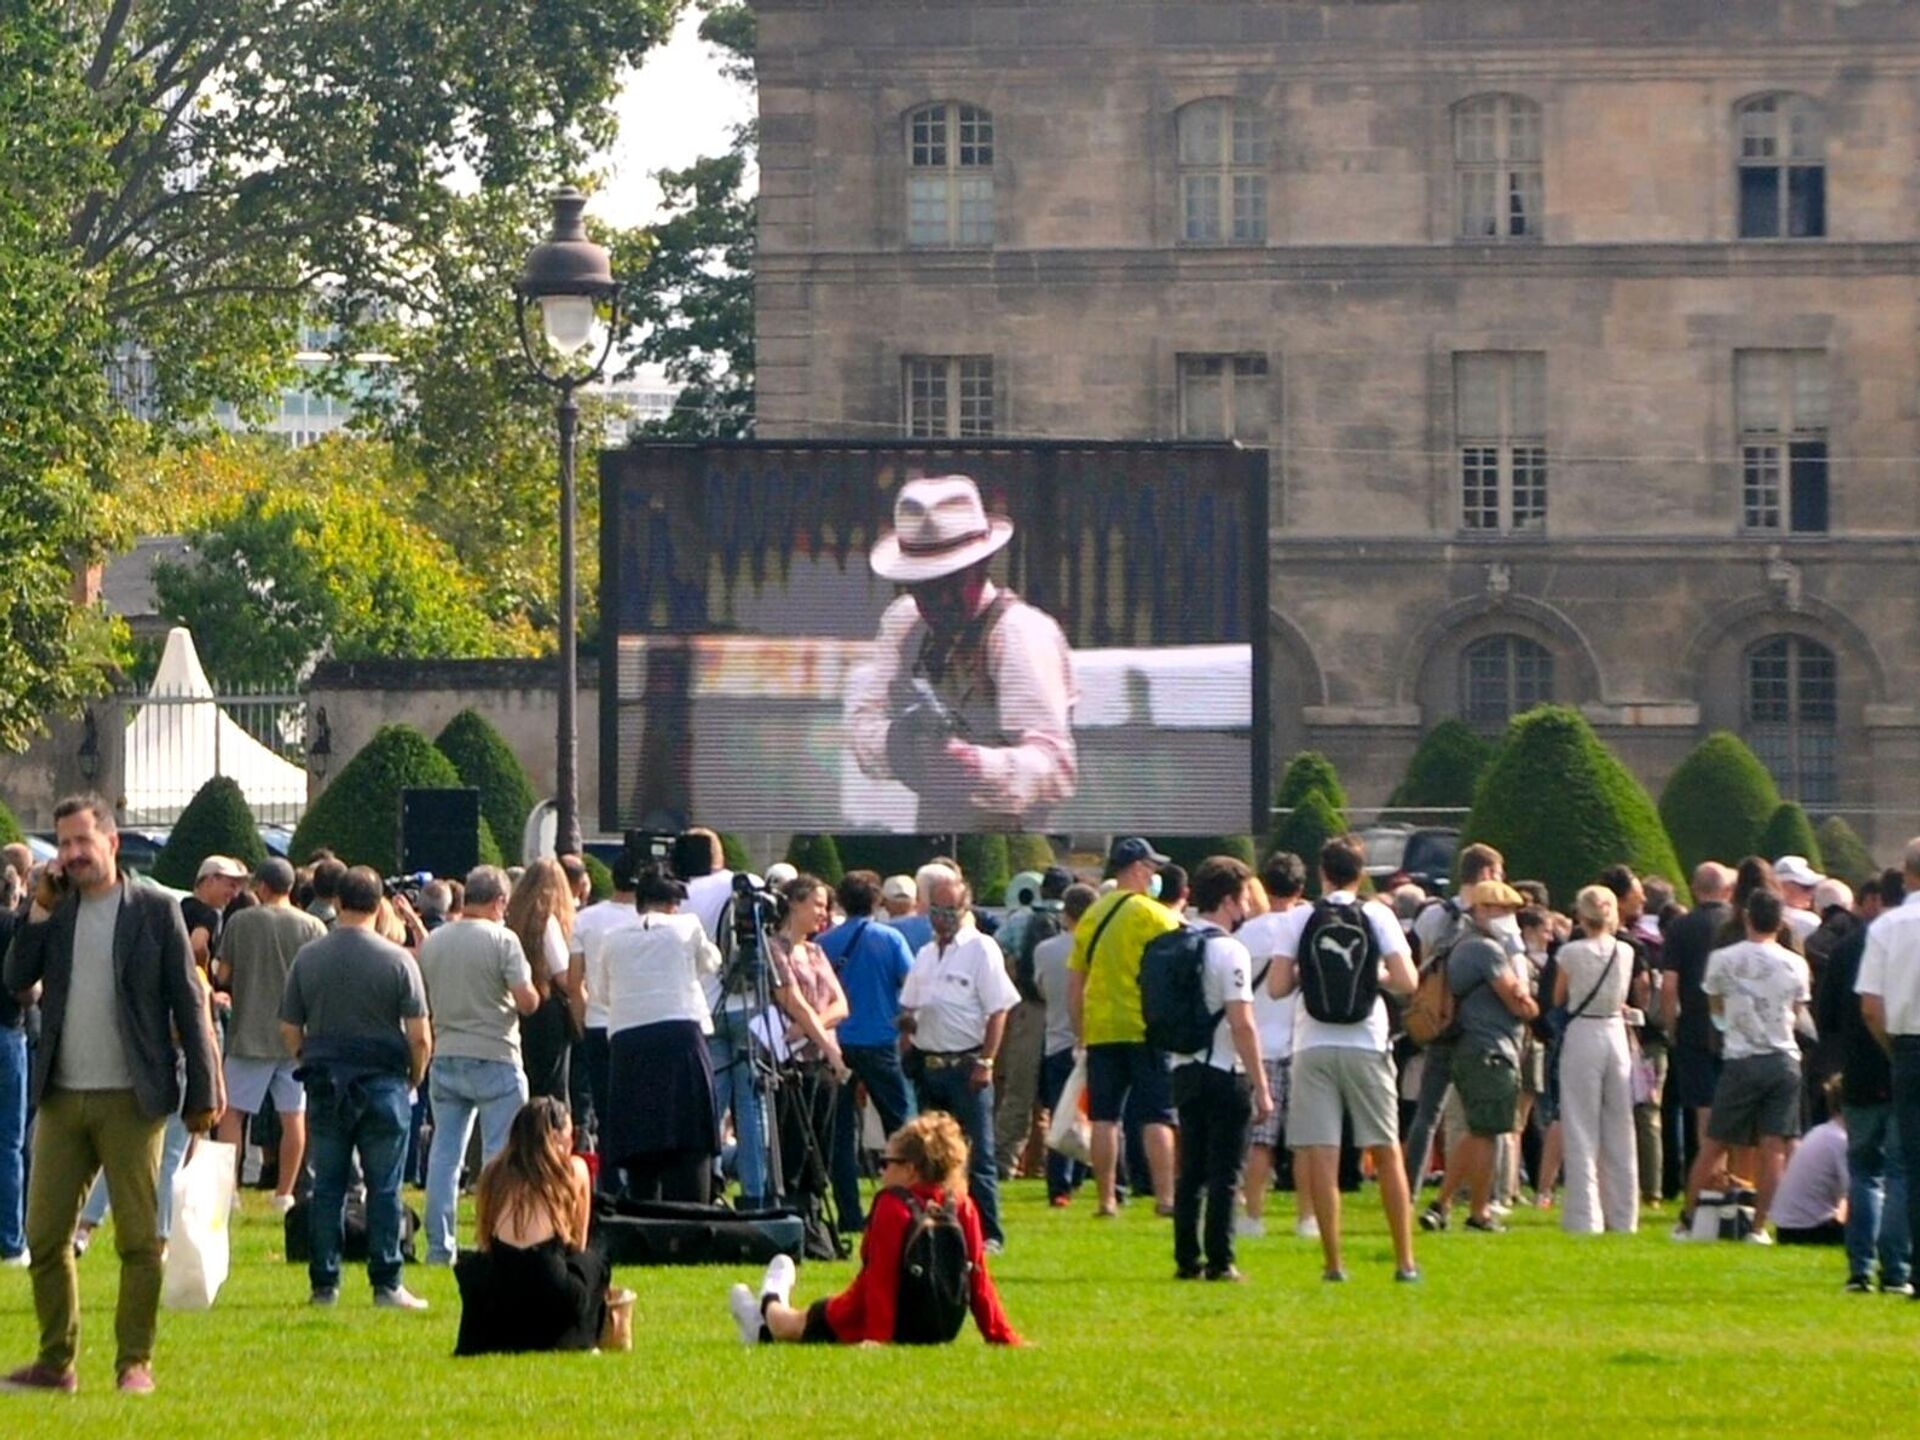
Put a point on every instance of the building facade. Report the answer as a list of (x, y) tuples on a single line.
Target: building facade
[(1584, 337)]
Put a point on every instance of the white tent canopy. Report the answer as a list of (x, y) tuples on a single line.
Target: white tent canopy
[(181, 738)]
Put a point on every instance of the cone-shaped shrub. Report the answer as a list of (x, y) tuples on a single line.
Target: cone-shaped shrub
[(217, 821), (1719, 800)]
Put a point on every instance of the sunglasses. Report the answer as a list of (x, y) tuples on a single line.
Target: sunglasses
[(894, 1160)]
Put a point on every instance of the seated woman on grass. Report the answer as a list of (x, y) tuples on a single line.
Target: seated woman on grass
[(924, 1209), (532, 1284)]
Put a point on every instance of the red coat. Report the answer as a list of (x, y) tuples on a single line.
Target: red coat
[(864, 1310)]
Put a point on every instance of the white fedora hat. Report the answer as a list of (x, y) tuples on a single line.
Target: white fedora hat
[(939, 527)]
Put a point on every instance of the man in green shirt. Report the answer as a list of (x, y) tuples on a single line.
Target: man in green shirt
[(1103, 998)]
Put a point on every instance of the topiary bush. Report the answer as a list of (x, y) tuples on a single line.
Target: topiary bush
[(1310, 770), (358, 815), (484, 760), (1029, 852), (818, 856), (1789, 832), (1844, 855), (983, 860), (1306, 831), (887, 854), (217, 821), (10, 831), (1717, 803), (599, 877), (1189, 850), (1445, 767), (735, 851), (1560, 807)]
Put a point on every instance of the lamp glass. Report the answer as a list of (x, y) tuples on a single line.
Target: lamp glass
[(568, 321)]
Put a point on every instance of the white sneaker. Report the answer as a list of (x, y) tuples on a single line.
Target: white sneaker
[(1759, 1237), (1246, 1227), (1307, 1228), (1499, 1211), (778, 1281), (282, 1204), (18, 1262), (398, 1298), (746, 1313)]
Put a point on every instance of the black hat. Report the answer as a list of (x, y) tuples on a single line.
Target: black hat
[(1054, 882)]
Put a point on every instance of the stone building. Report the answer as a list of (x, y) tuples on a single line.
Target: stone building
[(1582, 333)]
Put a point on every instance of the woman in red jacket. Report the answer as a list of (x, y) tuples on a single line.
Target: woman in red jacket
[(927, 1159)]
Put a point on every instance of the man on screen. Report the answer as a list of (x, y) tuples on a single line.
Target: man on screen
[(969, 695)]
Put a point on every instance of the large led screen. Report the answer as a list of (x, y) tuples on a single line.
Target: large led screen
[(933, 639)]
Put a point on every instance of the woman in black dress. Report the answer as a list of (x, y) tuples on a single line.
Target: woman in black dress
[(540, 911), (533, 1284)]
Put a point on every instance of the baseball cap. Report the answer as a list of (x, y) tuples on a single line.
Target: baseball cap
[(898, 887), (1131, 850), (225, 866), (1054, 881), (1795, 870)]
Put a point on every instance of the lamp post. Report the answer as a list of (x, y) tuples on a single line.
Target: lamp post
[(568, 277)]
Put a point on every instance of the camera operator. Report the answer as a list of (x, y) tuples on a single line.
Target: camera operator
[(814, 1003), (660, 1123)]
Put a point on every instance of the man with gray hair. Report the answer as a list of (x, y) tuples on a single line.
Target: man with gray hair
[(436, 899), (256, 955), (1695, 1062), (478, 986)]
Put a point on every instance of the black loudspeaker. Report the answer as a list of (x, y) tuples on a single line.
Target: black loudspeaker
[(439, 832)]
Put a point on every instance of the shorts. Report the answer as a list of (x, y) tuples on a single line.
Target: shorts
[(1329, 1082), (817, 1331), (1694, 1073), (1114, 1070), (249, 1082), (1279, 1080), (1488, 1084), (1757, 1097)]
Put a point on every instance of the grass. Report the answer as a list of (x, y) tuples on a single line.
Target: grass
[(1532, 1332)]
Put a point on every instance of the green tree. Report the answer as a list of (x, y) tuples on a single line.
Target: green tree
[(217, 821), (1310, 770), (1717, 802), (598, 876), (887, 854), (1442, 773), (1843, 853), (818, 856), (1029, 852), (1305, 832), (10, 832), (735, 849), (1789, 832), (358, 815), (983, 860), (1560, 807), (485, 761)]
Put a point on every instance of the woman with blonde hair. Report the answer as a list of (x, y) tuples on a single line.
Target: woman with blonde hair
[(1595, 971), (533, 1284), (540, 913), (924, 1171)]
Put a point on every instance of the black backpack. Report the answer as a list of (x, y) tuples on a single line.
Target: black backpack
[(1338, 963), (1173, 996), (936, 1274)]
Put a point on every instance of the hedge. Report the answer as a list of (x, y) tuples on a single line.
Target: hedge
[(599, 877), (1844, 855), (484, 760), (983, 860), (818, 856), (1442, 774), (1717, 803), (358, 815), (1306, 831), (1029, 852), (1789, 832), (1310, 770), (217, 821), (10, 831), (1189, 850)]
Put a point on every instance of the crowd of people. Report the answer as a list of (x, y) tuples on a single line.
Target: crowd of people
[(1230, 1034)]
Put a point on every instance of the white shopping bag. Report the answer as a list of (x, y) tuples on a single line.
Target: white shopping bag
[(1068, 1130), (197, 1250)]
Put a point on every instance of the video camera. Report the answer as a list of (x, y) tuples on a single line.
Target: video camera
[(686, 855), (407, 887)]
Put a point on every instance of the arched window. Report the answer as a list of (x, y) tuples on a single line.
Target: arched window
[(1792, 712), (1496, 161), (1503, 676), (1783, 168), (950, 175), (1223, 173)]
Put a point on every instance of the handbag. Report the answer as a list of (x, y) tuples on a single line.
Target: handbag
[(616, 1329), (198, 1251), (1069, 1131)]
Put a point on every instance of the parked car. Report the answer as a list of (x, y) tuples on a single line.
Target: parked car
[(1422, 854), (138, 848)]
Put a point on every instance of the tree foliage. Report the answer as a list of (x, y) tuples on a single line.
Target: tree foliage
[(1789, 832), (10, 831), (217, 821), (1305, 832), (1843, 854), (358, 815), (1310, 770), (1718, 801), (1560, 807), (1442, 772), (1029, 852), (485, 761), (818, 856), (887, 854), (1188, 851), (983, 860)]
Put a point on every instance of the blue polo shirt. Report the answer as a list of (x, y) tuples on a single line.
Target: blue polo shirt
[(872, 961)]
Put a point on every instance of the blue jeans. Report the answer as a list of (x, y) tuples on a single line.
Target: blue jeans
[(947, 1089), (378, 1130), (173, 1154), (1064, 1176), (462, 1087), (878, 1068), (13, 1142), (730, 1048), (1876, 1196)]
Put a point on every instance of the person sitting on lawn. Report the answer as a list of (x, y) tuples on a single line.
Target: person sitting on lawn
[(925, 1199), (533, 1284)]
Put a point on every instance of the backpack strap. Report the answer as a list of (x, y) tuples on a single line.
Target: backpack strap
[(853, 943), (1101, 928)]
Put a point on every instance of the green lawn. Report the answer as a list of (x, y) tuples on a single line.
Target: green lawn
[(1531, 1333)]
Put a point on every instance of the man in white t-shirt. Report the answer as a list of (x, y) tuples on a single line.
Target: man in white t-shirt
[(1758, 992), (587, 986), (1889, 991), (1218, 1091), (1285, 879), (1797, 881), (1345, 1070)]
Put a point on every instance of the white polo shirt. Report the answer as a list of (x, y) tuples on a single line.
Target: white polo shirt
[(1368, 1034), (953, 992), (1890, 968)]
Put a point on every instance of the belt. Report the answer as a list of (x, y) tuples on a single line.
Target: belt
[(947, 1059)]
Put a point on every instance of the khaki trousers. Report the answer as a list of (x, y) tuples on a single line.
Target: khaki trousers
[(77, 1134), (1016, 1081)]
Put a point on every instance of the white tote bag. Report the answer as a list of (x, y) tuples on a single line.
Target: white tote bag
[(1068, 1130), (197, 1251)]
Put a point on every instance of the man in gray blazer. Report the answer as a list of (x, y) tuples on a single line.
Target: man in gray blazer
[(126, 1041)]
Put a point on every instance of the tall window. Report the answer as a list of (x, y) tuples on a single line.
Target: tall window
[(1223, 397), (950, 175), (1223, 174), (1496, 160), (1792, 713), (948, 397), (1503, 676), (1781, 400), (1500, 425), (1783, 169)]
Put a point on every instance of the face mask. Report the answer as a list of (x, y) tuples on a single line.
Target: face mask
[(1153, 888), (1505, 927)]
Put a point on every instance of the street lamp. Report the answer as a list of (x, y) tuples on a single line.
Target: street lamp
[(569, 278)]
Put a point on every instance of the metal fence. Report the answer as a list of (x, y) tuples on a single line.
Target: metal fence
[(174, 744)]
